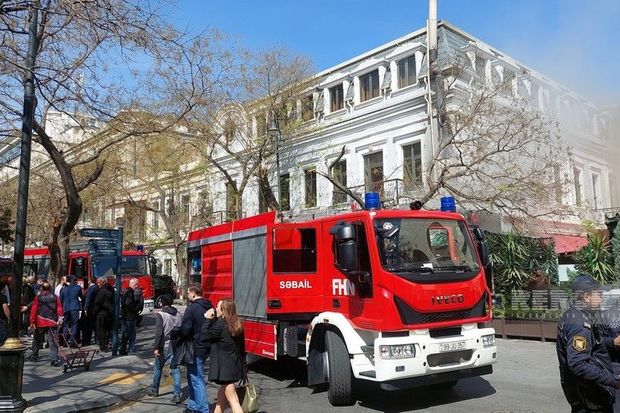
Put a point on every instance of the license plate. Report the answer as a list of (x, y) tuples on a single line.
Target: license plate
[(452, 346)]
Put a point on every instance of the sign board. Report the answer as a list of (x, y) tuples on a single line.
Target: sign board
[(102, 246), (100, 233)]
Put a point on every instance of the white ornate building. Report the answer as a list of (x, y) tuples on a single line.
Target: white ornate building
[(375, 105)]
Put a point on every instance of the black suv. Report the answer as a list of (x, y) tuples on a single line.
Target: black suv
[(164, 286)]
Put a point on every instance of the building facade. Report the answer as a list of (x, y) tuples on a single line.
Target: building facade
[(376, 107)]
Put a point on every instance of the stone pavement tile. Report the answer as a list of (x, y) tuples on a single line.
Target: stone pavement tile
[(109, 381)]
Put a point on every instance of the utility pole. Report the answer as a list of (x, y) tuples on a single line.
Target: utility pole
[(12, 352), (274, 131)]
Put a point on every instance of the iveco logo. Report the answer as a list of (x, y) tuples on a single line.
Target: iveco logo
[(447, 299)]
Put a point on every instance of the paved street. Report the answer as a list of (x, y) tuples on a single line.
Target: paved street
[(525, 380)]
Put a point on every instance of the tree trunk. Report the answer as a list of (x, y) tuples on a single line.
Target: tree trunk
[(181, 262), (265, 189)]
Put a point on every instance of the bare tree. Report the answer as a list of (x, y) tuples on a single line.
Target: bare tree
[(158, 182), (102, 60), (271, 83), (495, 151)]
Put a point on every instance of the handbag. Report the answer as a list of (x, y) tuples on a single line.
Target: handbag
[(246, 392)]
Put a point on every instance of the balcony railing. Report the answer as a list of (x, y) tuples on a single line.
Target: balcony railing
[(393, 191)]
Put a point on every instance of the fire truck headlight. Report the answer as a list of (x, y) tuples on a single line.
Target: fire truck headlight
[(402, 351), (488, 341)]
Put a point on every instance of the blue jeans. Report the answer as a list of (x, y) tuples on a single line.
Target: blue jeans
[(129, 335), (175, 373), (197, 385)]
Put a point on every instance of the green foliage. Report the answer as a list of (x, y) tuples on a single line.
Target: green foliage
[(615, 249), (595, 259), (514, 259)]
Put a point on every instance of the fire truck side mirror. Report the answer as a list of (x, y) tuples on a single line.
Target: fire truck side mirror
[(154, 267), (483, 248), (347, 258)]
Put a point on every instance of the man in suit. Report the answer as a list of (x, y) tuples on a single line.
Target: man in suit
[(71, 300), (103, 310), (88, 318)]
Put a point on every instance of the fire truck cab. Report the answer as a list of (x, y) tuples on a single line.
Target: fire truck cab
[(397, 297)]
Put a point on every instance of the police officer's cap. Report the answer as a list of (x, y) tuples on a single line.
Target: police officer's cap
[(42, 277), (585, 283)]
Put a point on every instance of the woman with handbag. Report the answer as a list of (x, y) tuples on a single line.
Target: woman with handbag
[(225, 332)]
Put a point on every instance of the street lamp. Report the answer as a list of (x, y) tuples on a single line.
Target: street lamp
[(274, 132), (12, 352)]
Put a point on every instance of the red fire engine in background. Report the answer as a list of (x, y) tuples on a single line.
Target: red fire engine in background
[(397, 297), (135, 264)]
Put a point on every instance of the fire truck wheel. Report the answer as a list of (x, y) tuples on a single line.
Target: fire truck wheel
[(340, 391)]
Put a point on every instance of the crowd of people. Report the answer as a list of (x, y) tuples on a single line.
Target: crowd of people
[(201, 334), (69, 313)]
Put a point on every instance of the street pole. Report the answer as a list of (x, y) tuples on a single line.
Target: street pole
[(12, 352), (117, 290)]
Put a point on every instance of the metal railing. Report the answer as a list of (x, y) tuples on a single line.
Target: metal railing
[(393, 191)]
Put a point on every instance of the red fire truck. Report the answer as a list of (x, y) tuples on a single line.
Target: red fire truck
[(397, 297), (134, 264)]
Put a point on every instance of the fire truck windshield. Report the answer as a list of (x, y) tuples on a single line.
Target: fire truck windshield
[(134, 265), (425, 246), (105, 266)]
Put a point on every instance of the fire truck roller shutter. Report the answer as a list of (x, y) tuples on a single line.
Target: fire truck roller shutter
[(249, 275)]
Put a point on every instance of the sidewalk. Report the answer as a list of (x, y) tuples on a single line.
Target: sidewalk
[(110, 380)]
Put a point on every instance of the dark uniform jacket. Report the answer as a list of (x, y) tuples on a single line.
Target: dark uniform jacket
[(128, 305), (104, 301), (89, 302), (583, 350), (191, 327), (227, 352)]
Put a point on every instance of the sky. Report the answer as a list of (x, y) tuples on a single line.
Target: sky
[(574, 42)]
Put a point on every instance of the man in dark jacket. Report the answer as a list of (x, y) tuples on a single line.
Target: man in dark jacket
[(28, 295), (71, 299), (88, 318), (103, 310), (129, 313), (167, 320), (586, 373), (191, 329)]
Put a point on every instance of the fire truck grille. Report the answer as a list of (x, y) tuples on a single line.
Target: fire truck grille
[(409, 315), (446, 359)]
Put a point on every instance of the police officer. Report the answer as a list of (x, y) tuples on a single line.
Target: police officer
[(586, 374)]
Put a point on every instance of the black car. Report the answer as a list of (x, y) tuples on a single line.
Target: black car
[(164, 286)]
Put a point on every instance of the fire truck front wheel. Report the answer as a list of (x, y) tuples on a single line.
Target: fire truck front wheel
[(340, 391)]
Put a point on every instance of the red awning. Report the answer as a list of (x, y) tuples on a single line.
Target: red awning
[(568, 243)]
